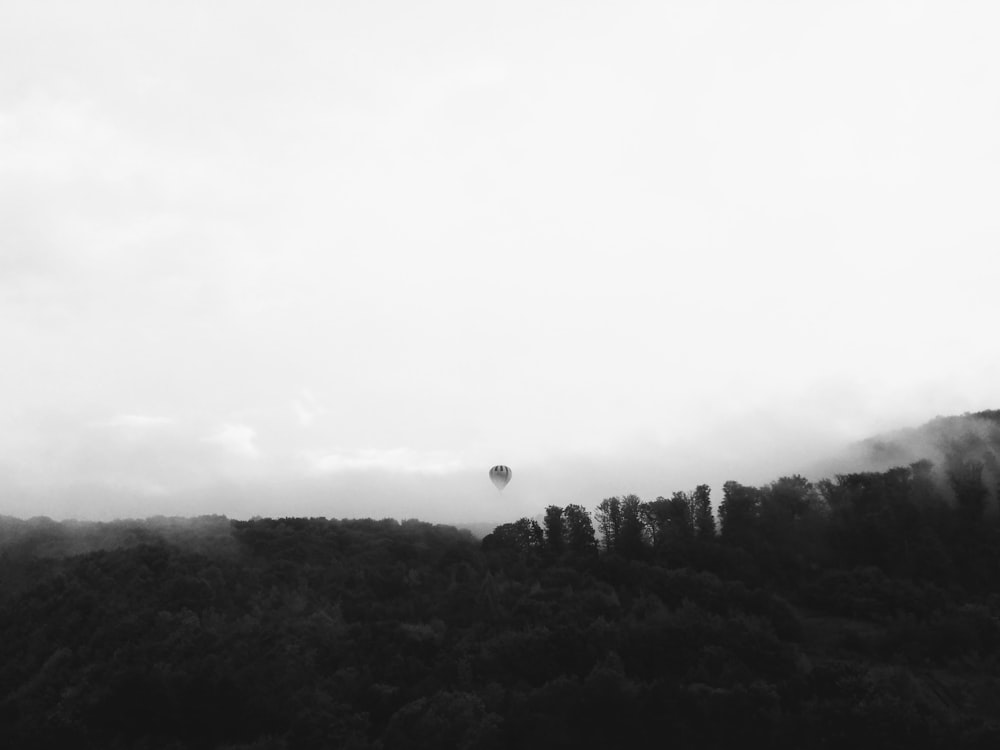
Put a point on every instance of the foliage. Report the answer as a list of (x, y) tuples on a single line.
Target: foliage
[(860, 609)]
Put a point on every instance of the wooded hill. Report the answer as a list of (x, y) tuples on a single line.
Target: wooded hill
[(861, 609)]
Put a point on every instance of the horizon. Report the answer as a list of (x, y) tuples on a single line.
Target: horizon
[(907, 445)]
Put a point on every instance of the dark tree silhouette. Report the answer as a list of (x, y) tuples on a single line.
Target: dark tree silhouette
[(579, 530), (555, 529), (632, 534), (739, 513), (523, 535), (609, 521), (704, 521)]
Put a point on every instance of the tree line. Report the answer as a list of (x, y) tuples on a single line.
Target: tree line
[(908, 522), (857, 610)]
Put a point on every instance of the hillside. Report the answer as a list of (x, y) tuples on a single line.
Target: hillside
[(946, 442), (860, 609)]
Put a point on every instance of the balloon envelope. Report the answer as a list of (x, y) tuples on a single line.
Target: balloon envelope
[(500, 476)]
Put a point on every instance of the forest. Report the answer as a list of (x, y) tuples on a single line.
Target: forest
[(862, 609)]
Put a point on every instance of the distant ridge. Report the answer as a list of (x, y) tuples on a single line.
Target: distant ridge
[(942, 440)]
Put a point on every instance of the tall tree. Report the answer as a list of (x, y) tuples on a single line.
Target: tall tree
[(631, 537), (680, 515), (739, 512), (609, 521), (523, 535), (656, 518), (669, 522), (701, 512), (783, 504), (555, 529), (579, 530), (966, 479)]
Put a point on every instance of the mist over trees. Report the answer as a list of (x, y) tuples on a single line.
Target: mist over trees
[(857, 609)]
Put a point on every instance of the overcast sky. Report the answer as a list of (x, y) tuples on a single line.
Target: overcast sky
[(339, 258)]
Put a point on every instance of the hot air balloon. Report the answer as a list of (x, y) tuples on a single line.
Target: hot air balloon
[(500, 476)]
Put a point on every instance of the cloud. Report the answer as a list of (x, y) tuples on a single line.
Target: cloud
[(307, 409), (237, 439), (138, 421), (399, 460)]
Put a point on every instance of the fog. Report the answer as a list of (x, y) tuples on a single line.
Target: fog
[(340, 260), (131, 467)]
